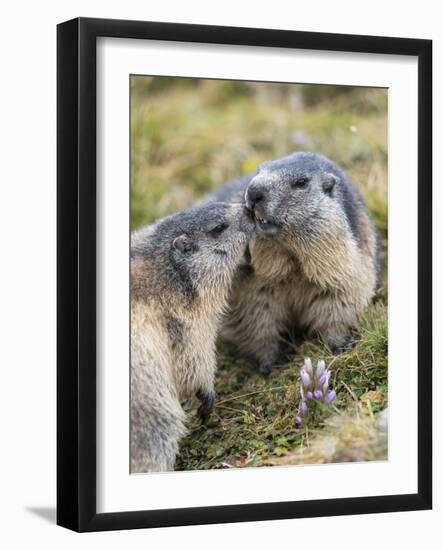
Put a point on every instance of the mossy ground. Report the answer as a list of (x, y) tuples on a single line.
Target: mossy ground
[(187, 138)]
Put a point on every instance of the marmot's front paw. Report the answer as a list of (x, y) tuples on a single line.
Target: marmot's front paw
[(347, 344), (207, 404), (265, 369)]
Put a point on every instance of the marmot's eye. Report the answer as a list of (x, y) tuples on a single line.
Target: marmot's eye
[(218, 229), (300, 182)]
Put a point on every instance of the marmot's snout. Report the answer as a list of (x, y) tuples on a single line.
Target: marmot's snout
[(240, 220), (254, 195), (256, 202)]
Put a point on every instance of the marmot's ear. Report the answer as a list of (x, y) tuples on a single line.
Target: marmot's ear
[(182, 243), (329, 181)]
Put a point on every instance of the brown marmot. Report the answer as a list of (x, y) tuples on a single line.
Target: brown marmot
[(181, 272), (315, 257)]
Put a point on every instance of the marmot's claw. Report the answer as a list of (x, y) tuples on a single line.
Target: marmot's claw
[(207, 404)]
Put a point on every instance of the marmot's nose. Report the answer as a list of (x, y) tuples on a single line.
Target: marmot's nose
[(254, 195)]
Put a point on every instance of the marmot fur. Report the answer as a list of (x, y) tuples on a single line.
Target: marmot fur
[(315, 256), (181, 272)]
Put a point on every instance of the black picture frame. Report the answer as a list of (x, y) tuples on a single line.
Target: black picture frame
[(76, 278)]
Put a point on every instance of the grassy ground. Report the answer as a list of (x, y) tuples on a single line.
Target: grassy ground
[(188, 137)]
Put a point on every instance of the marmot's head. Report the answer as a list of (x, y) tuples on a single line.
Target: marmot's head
[(198, 250), (295, 194)]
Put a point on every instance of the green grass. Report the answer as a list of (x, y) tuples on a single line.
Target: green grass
[(253, 422), (189, 137)]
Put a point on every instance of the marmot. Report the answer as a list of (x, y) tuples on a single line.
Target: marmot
[(315, 257), (181, 272)]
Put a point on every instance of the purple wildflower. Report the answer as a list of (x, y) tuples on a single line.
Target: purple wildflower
[(308, 366), (314, 386), (321, 367), (318, 394), (326, 383), (330, 396), (305, 378)]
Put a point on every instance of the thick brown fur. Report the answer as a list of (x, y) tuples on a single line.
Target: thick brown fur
[(181, 272)]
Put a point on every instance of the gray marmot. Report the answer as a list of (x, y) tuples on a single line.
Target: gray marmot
[(181, 272), (315, 257)]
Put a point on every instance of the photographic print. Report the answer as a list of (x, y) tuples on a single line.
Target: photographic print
[(228, 202), (259, 238)]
